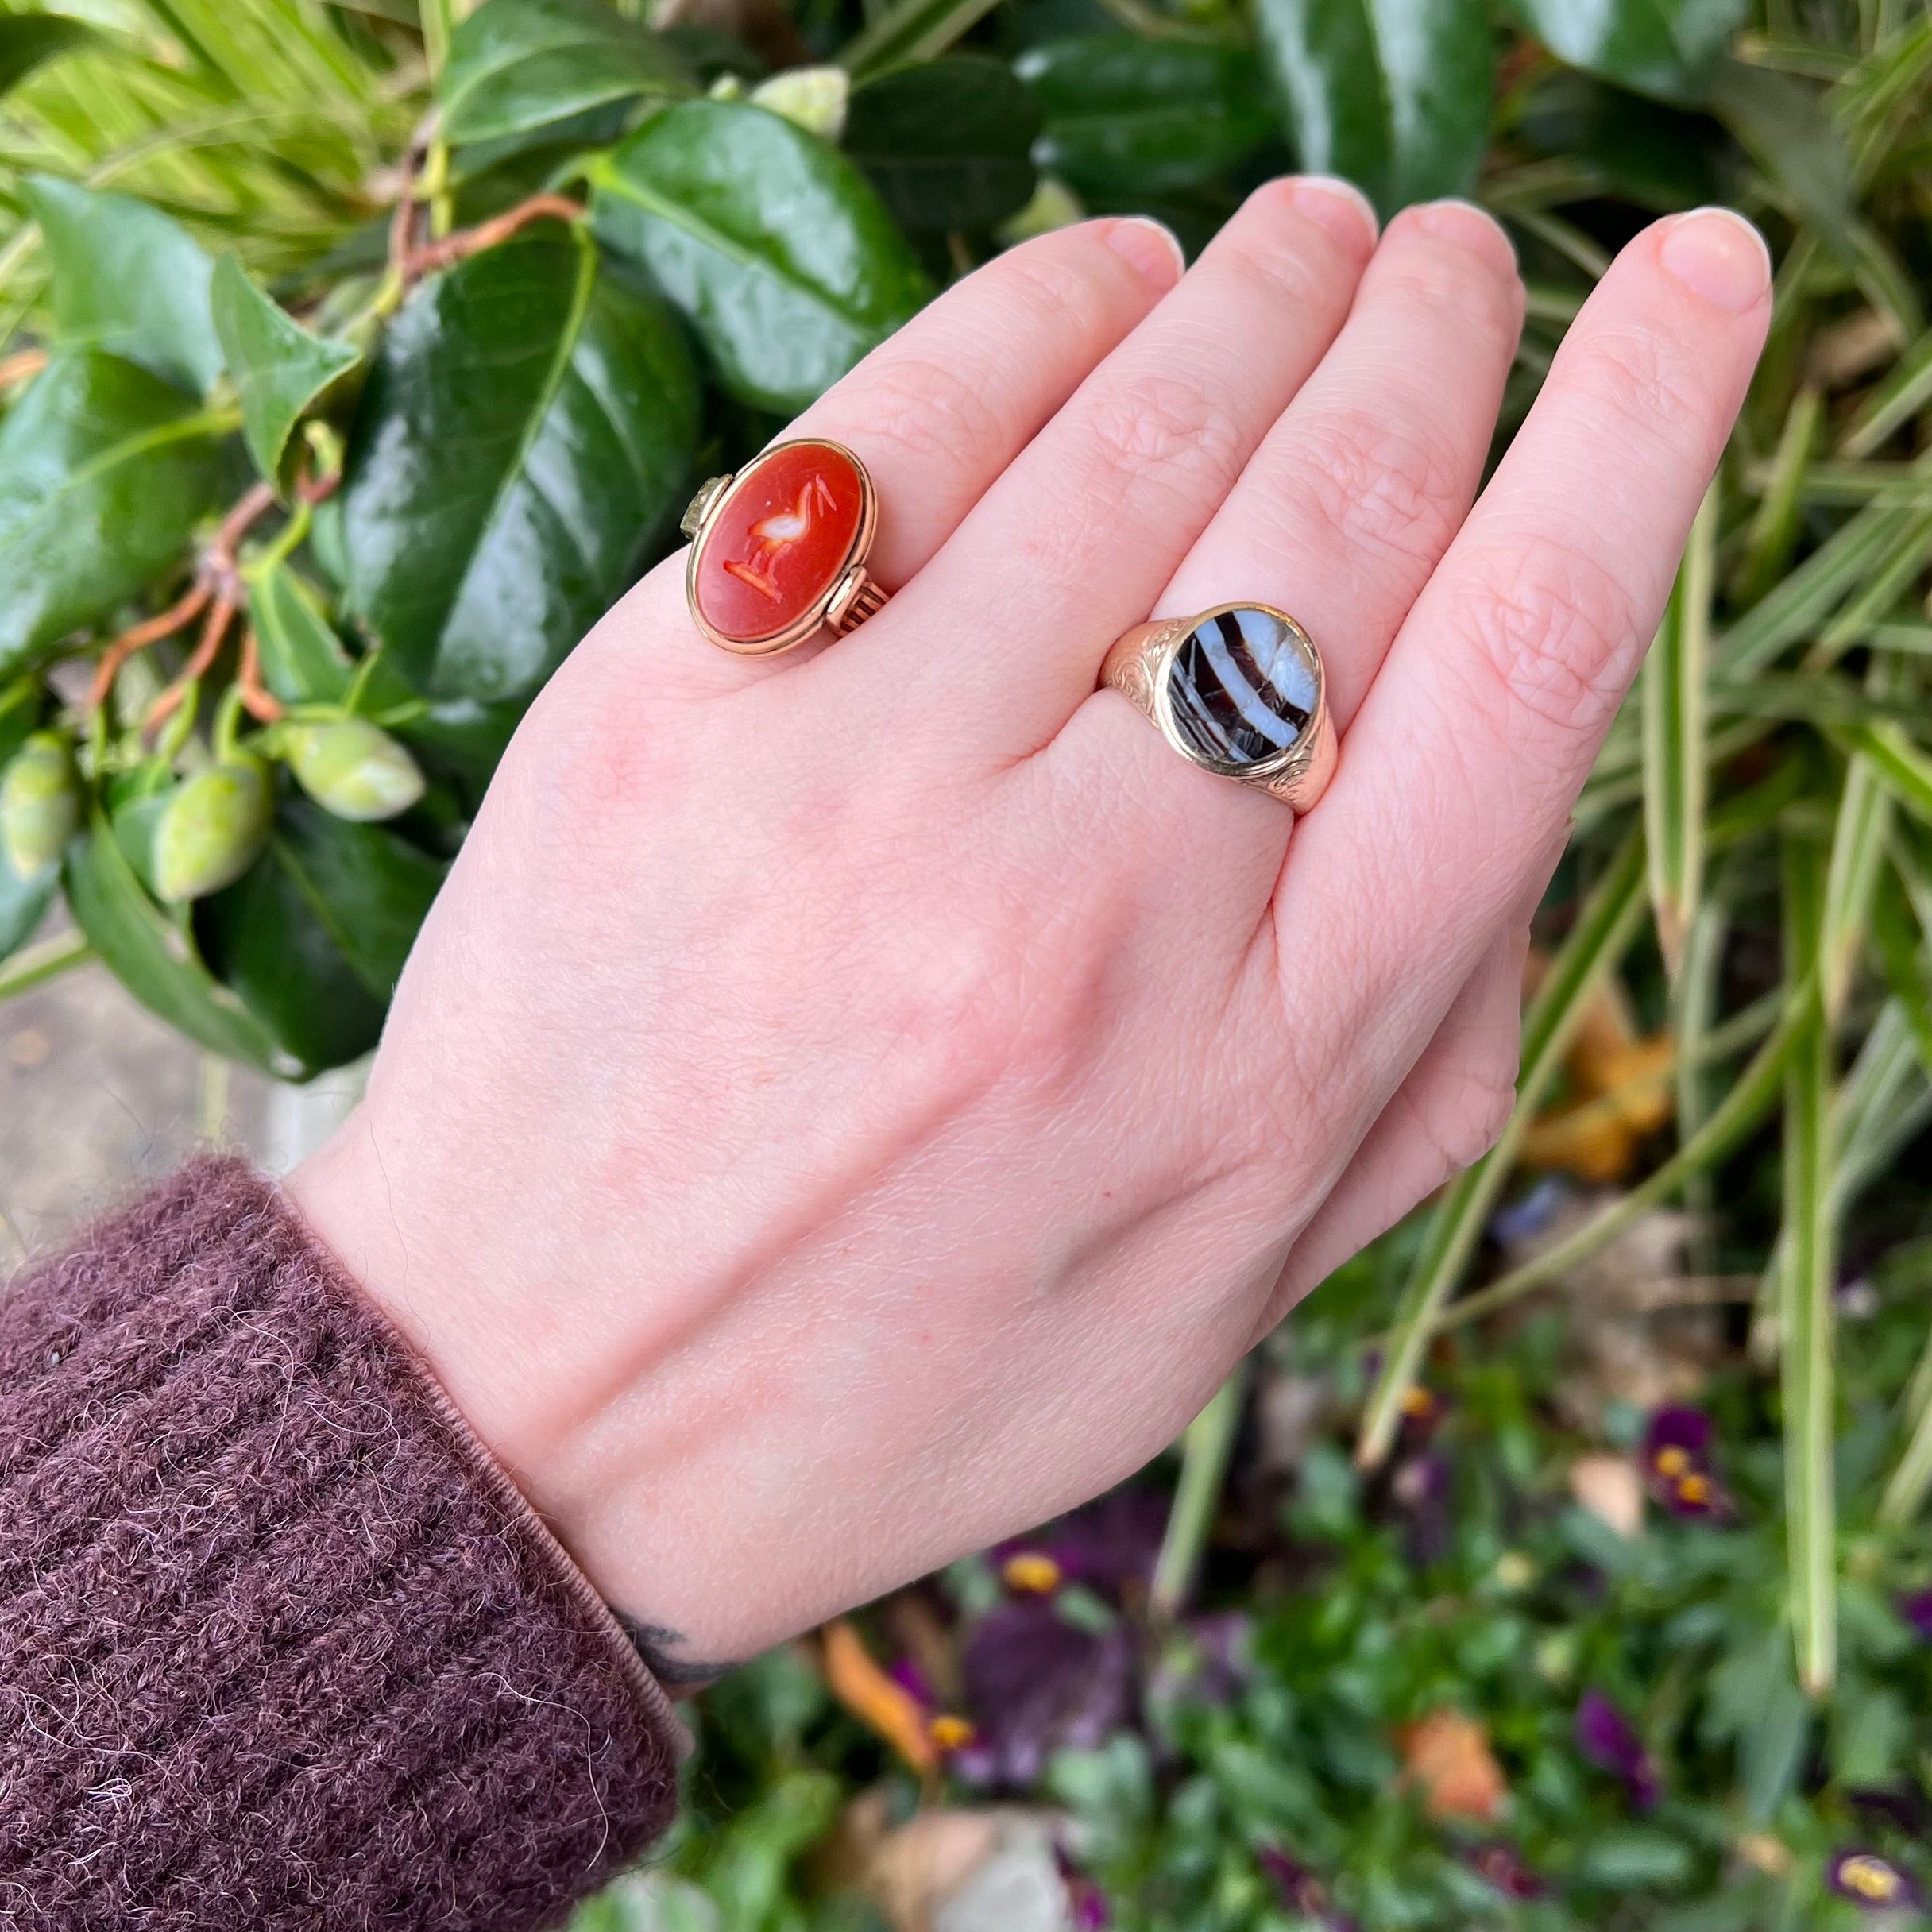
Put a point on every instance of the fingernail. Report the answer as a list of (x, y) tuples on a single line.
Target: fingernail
[(1716, 254), (1151, 247), (1338, 206), (1469, 226)]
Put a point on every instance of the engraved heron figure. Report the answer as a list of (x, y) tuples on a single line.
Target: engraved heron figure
[(777, 533)]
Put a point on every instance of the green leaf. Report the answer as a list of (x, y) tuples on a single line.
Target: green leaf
[(947, 144), (313, 938), (1666, 47), (23, 903), (1393, 94), (1806, 1271), (529, 428), (302, 660), (514, 65), (104, 471), (1902, 768), (27, 40), (1676, 747), (127, 279), (279, 368), (773, 244), (1781, 123), (154, 958), (1128, 118)]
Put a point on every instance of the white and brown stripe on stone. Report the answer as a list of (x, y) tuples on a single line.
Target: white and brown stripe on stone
[(1241, 688)]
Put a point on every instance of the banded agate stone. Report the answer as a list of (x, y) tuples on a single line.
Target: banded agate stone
[(778, 542), (1241, 688)]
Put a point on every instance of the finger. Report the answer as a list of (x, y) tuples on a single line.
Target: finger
[(1444, 1117), (1479, 730), (941, 408), (1079, 536), (1339, 517), (1352, 498)]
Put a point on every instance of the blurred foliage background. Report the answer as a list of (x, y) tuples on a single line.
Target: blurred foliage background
[(1564, 1562)]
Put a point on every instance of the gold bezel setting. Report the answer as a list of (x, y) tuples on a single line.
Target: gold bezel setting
[(844, 602)]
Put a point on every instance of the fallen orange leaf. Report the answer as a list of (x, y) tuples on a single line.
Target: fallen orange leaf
[(1448, 1755), (872, 1697)]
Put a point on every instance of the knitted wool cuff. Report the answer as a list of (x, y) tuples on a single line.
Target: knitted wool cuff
[(279, 1645)]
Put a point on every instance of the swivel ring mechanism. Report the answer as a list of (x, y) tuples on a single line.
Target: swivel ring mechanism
[(778, 551), (1238, 690)]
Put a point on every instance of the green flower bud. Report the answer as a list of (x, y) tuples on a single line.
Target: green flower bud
[(212, 829), (812, 98), (353, 769), (40, 803)]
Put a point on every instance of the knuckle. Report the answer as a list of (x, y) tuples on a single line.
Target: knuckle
[(926, 410), (1637, 380), (1370, 483), (1551, 643), (1162, 430)]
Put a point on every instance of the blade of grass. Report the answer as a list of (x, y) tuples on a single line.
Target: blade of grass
[(1903, 393), (1747, 1105), (1858, 846), (1773, 533), (1805, 1281), (1901, 767), (1594, 948), (1205, 1450), (1693, 1003), (35, 965), (910, 30), (1675, 751)]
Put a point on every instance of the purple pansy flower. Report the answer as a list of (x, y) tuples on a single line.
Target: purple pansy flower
[(1034, 1684), (1205, 1661), (1499, 1865), (1677, 1463), (1302, 1890), (1110, 1546), (1606, 1737), (1871, 1882), (1915, 1607), (1087, 1907)]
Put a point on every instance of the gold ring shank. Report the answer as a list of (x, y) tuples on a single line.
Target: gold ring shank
[(1138, 665)]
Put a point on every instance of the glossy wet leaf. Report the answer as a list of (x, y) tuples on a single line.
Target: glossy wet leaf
[(947, 144), (127, 279), (1393, 94), (527, 430), (28, 41), (104, 471), (304, 661), (1128, 118), (154, 957), (277, 366), (774, 245), (515, 65), (1666, 47), (313, 937)]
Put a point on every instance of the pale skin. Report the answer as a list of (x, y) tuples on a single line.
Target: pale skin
[(849, 1107)]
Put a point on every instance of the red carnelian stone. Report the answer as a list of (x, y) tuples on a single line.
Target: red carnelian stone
[(779, 542)]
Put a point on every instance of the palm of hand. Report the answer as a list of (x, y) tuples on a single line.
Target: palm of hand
[(844, 1110)]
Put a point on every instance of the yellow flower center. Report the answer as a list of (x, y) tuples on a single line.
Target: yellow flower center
[(1871, 1878), (1032, 1570), (1419, 1404), (951, 1733), (1695, 1490), (1672, 1461)]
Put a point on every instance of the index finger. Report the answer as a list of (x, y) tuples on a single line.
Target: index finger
[(1479, 730)]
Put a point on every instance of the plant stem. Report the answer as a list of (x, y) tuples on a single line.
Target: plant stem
[(1205, 1449), (35, 965)]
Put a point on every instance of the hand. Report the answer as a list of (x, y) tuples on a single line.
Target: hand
[(845, 1109)]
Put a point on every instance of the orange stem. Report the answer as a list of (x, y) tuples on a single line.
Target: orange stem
[(137, 637), (467, 242), (260, 703), (205, 653)]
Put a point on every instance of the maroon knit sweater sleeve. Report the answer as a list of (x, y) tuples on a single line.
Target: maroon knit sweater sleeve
[(279, 1646)]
